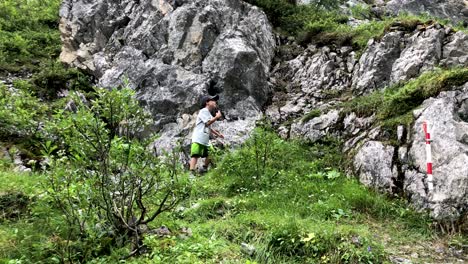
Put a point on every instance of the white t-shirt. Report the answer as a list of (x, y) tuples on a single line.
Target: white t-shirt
[(201, 133)]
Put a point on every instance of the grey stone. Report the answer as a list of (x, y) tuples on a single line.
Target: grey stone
[(373, 165), (401, 56), (315, 128), (172, 53), (247, 249), (449, 156), (455, 53), (422, 53), (375, 65), (400, 132), (310, 78)]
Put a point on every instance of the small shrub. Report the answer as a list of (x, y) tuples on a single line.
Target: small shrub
[(106, 181), (258, 164), (20, 115), (324, 245), (54, 77)]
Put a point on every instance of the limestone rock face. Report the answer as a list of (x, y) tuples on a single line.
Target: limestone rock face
[(422, 53), (376, 64), (309, 81), (400, 56), (319, 79), (386, 167), (172, 52), (449, 133), (373, 164), (455, 53)]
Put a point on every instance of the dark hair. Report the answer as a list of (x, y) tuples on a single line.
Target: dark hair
[(207, 98)]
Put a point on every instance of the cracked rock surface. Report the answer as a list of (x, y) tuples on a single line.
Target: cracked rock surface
[(172, 52)]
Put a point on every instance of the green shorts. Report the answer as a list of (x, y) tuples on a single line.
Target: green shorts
[(199, 150)]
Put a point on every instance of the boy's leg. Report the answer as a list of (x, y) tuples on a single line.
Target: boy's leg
[(207, 162), (209, 149), (195, 154), (193, 163)]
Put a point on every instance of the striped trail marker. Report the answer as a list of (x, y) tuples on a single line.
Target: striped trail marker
[(427, 132)]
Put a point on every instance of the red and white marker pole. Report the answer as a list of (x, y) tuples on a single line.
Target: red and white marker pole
[(427, 132)]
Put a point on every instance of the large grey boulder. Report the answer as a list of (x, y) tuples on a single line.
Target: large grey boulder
[(455, 52), (376, 64), (374, 165), (311, 81), (400, 56), (454, 10), (403, 167), (447, 116), (172, 52)]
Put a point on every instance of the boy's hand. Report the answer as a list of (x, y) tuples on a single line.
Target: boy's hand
[(221, 135), (218, 115)]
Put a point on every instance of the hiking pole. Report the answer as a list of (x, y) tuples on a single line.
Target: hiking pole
[(427, 133)]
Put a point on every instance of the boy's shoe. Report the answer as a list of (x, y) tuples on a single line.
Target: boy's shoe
[(202, 170), (192, 175)]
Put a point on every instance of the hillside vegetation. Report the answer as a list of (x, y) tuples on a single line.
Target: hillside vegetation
[(97, 192)]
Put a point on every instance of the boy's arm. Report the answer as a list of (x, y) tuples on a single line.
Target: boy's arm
[(216, 133), (212, 120)]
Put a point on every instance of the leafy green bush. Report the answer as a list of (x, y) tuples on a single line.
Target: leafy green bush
[(258, 163), (20, 115), (55, 77), (290, 18), (28, 33), (105, 179)]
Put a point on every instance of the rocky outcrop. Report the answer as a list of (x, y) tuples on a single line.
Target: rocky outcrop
[(375, 65), (309, 81), (454, 10), (449, 133), (400, 56), (172, 52), (383, 166), (374, 164), (318, 80)]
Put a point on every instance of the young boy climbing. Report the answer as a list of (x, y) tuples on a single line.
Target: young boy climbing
[(201, 134)]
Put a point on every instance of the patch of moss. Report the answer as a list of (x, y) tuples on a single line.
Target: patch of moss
[(310, 115)]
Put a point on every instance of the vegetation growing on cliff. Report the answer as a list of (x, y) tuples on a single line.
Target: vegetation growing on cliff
[(393, 105)]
